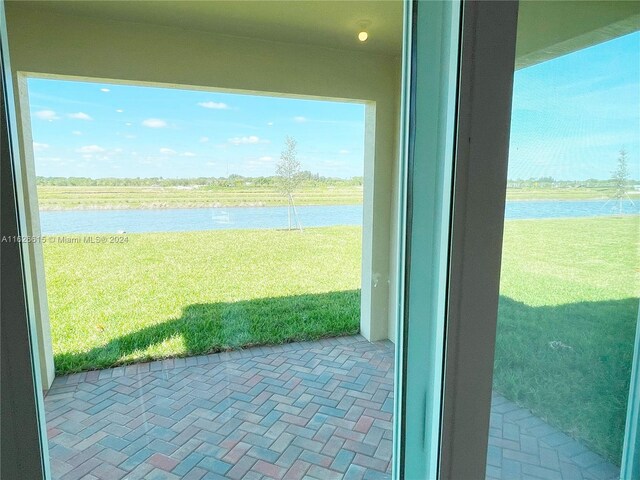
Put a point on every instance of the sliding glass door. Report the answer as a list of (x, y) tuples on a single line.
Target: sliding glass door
[(564, 398), (564, 311)]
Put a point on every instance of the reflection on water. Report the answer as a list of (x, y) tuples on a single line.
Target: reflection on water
[(180, 220)]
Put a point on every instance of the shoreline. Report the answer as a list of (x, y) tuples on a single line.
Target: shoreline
[(97, 208)]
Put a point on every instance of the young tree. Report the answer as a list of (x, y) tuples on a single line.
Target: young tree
[(620, 179), (289, 173)]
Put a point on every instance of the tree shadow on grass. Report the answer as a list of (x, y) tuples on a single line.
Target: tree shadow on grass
[(215, 327), (571, 365)]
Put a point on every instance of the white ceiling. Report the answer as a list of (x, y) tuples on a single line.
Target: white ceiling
[(330, 23), (543, 29)]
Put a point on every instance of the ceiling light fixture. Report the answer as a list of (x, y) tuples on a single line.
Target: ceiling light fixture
[(363, 34)]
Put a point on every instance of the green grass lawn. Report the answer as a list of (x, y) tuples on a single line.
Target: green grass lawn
[(574, 281), (177, 294)]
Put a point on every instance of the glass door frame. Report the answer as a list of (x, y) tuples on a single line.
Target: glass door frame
[(24, 440), (480, 180), (458, 76), (630, 464)]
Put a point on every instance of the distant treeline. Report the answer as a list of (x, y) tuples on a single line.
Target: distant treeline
[(308, 179), (550, 182)]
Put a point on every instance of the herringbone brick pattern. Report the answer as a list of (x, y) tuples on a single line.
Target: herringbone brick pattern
[(521, 446), (308, 410)]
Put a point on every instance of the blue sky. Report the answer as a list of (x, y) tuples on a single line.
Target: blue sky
[(571, 116), (101, 130)]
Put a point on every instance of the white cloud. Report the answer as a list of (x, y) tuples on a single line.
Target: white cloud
[(79, 116), (154, 123), (211, 164), (214, 105), (187, 154), (39, 147), (76, 132), (270, 124), (204, 139), (129, 136), (46, 115), (344, 152), (252, 139), (266, 158), (105, 90), (88, 149), (167, 151), (119, 110), (299, 119)]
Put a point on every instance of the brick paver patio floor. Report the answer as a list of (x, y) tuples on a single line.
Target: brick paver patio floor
[(521, 446), (317, 409), (305, 410)]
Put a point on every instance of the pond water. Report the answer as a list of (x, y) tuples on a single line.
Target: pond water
[(180, 220)]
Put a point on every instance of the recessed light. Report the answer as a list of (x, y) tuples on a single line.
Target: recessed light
[(363, 30)]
